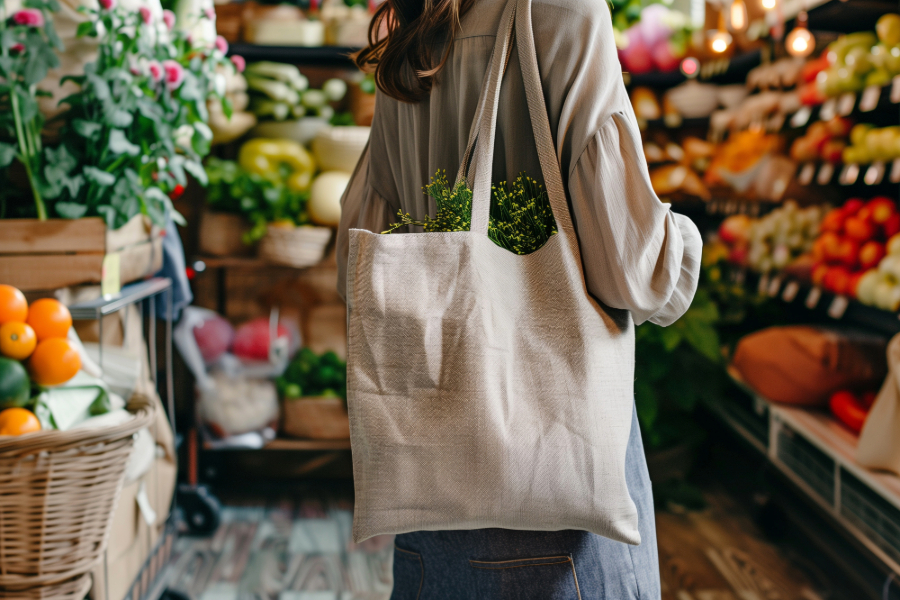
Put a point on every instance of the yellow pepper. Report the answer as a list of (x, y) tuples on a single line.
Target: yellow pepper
[(265, 157)]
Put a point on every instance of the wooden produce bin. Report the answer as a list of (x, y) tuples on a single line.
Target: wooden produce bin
[(315, 418), (46, 255)]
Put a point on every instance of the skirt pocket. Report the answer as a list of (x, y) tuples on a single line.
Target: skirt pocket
[(544, 578)]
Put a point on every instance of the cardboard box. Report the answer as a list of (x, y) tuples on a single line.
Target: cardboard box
[(132, 539), (46, 255)]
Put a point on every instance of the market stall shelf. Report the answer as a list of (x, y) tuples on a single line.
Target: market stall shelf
[(298, 55), (817, 454)]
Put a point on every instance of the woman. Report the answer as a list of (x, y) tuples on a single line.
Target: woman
[(637, 255)]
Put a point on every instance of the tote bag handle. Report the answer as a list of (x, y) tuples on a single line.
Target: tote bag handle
[(516, 21)]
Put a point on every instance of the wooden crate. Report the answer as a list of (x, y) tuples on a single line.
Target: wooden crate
[(46, 255)]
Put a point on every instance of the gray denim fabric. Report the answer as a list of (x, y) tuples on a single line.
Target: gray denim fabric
[(502, 564)]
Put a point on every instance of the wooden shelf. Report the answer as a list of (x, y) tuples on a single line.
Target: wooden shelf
[(299, 444), (817, 454), (298, 55)]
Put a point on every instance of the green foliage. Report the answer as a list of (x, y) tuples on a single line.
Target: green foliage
[(129, 137), (260, 199), (521, 219), (312, 375)]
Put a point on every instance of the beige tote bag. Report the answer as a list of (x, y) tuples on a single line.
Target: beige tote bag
[(879, 441), (484, 387)]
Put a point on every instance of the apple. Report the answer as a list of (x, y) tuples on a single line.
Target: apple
[(882, 208), (891, 227), (738, 255), (858, 134), (839, 126), (893, 245), (878, 77), (859, 60), (830, 245), (887, 295), (836, 280), (871, 254), (848, 253), (888, 29), (890, 265), (811, 95), (734, 229), (859, 229), (853, 206), (833, 221), (865, 287), (802, 150), (818, 135), (832, 151)]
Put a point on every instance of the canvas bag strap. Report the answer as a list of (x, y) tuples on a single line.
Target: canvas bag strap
[(507, 19), (540, 124)]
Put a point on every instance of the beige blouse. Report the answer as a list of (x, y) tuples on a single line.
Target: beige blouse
[(638, 255)]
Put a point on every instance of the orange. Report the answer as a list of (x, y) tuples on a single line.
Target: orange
[(49, 318), (13, 306), (18, 421), (17, 340), (53, 362)]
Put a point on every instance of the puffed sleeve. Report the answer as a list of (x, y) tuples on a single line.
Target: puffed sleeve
[(638, 255), (361, 208)]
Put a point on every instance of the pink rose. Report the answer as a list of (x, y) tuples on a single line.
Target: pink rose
[(30, 17), (210, 14), (16, 48), (239, 63), (221, 44), (169, 18), (156, 71), (108, 4), (146, 15), (174, 73)]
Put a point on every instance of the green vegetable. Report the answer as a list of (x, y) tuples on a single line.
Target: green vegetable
[(279, 71), (521, 218), (314, 99), (335, 89), (312, 375), (275, 90), (263, 107)]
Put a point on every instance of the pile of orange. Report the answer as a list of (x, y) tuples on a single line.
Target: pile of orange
[(34, 337)]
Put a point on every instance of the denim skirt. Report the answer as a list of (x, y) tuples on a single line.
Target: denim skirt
[(503, 564)]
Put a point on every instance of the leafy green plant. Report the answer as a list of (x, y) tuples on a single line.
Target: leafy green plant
[(521, 219), (262, 200), (28, 45), (313, 375)]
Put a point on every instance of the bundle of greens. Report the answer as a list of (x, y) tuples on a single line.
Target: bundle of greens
[(521, 218), (311, 375)]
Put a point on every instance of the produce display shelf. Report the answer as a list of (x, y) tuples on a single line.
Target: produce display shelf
[(130, 294), (299, 444), (824, 304), (735, 72), (298, 55), (816, 454), (839, 16)]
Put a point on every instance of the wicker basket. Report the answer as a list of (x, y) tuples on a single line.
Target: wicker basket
[(58, 491), (296, 247), (316, 418)]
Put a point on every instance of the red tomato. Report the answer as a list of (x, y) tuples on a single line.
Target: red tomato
[(848, 409)]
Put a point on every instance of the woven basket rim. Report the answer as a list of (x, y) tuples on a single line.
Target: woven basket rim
[(141, 407)]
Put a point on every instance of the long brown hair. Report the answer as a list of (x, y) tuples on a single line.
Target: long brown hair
[(412, 27)]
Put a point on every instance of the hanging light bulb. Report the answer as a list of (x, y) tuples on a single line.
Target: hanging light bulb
[(800, 42), (769, 4), (720, 39), (738, 15)]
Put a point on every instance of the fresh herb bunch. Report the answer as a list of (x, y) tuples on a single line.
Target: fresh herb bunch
[(521, 219), (312, 375), (261, 200)]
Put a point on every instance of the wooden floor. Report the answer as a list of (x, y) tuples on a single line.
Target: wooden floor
[(298, 547)]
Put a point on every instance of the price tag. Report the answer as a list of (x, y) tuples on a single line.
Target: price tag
[(849, 174), (895, 90), (806, 173), (870, 97), (110, 276), (774, 286), (790, 291), (826, 172), (838, 307), (846, 103), (895, 171), (874, 174), (828, 110), (763, 284), (801, 117), (812, 299)]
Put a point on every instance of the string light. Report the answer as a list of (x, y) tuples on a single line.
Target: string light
[(738, 15), (769, 4), (800, 42)]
